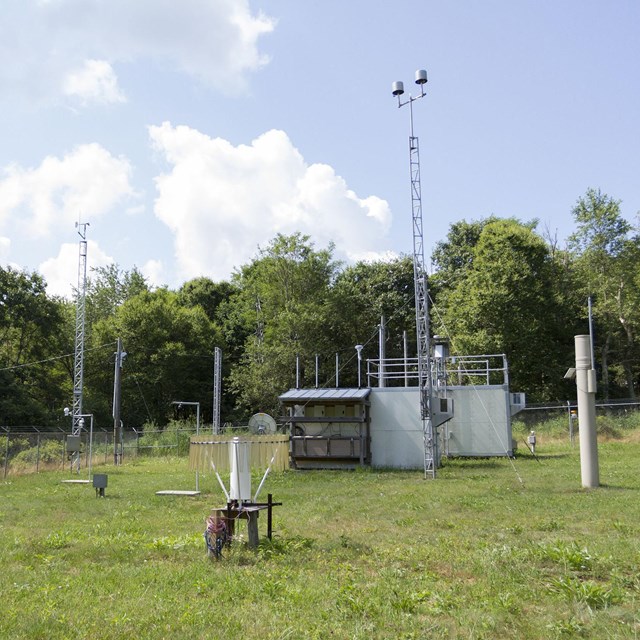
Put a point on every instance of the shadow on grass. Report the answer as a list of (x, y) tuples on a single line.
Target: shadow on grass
[(549, 456), (616, 487), (477, 463)]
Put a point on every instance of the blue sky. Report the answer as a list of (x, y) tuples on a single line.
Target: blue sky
[(187, 134)]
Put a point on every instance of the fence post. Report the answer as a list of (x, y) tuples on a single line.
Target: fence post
[(63, 448), (6, 456)]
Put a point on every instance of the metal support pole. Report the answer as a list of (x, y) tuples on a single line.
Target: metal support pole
[(197, 433), (269, 515), (317, 369), (117, 425), (593, 358), (381, 352), (405, 354)]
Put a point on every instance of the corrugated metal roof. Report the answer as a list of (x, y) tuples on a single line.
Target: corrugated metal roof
[(316, 395)]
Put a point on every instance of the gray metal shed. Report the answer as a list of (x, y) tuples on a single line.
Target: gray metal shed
[(329, 428)]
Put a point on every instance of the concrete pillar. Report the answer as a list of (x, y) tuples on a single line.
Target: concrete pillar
[(586, 385)]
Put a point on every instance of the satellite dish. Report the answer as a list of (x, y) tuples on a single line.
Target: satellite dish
[(262, 423)]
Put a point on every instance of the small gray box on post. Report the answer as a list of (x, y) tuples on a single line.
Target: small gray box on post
[(73, 444), (100, 483)]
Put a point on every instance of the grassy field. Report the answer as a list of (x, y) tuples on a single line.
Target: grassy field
[(490, 549)]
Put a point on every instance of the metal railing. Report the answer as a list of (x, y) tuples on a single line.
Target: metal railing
[(450, 371)]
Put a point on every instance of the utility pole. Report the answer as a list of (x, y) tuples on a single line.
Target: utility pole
[(117, 423)]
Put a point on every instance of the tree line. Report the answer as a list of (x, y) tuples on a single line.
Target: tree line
[(497, 286)]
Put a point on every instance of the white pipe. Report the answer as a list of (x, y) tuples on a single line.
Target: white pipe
[(266, 473), (226, 493), (586, 385)]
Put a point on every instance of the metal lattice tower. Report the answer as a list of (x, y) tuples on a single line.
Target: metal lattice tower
[(420, 282), (259, 330), (217, 388), (78, 362)]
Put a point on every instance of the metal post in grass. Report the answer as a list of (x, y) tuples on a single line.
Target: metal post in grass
[(62, 442), (180, 403), (6, 455)]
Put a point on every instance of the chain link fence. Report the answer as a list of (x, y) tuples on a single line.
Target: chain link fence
[(33, 449)]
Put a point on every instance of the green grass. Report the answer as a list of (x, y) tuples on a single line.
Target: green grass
[(490, 549)]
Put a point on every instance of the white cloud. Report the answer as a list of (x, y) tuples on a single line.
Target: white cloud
[(61, 272), (222, 201), (85, 183), (43, 45), (374, 256), (95, 83), (5, 246), (153, 271)]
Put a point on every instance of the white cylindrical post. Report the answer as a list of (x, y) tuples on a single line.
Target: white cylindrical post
[(240, 471), (586, 385)]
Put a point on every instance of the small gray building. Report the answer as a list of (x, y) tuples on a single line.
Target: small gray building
[(381, 425)]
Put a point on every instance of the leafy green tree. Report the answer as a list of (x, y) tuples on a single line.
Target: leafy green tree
[(453, 257), (108, 288), (30, 323), (169, 357), (360, 296), (208, 294), (606, 264), (505, 301), (216, 299), (283, 309)]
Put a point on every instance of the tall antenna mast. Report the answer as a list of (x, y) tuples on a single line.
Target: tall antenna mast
[(78, 362), (420, 283), (217, 388)]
